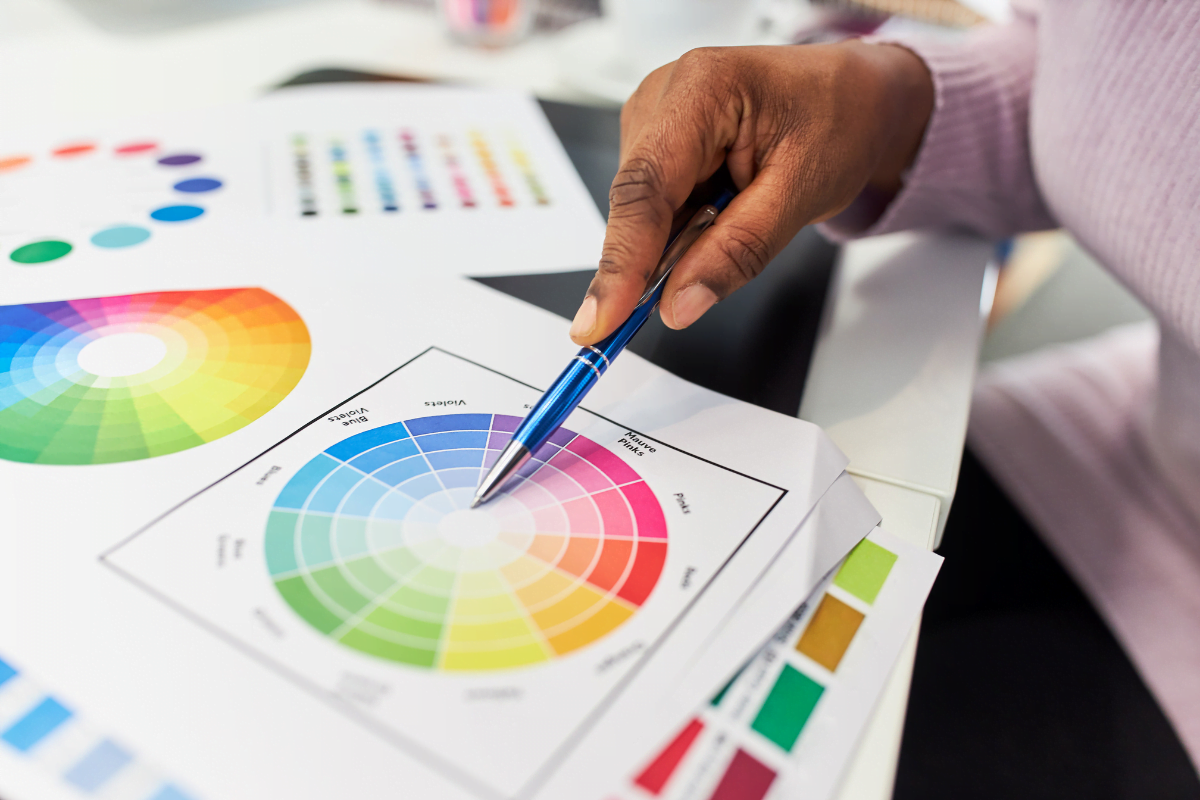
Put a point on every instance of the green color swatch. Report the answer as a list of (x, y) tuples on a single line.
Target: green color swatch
[(40, 252), (787, 708), (865, 570)]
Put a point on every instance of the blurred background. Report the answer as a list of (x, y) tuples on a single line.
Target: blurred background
[(70, 59)]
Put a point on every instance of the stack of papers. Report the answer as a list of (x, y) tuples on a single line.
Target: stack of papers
[(245, 398)]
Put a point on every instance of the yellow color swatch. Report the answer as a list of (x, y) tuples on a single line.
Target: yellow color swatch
[(830, 632)]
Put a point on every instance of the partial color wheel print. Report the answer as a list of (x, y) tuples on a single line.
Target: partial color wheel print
[(134, 376)]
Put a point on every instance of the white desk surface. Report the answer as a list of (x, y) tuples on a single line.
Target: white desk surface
[(892, 374), (890, 382)]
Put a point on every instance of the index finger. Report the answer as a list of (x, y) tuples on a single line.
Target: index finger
[(682, 144)]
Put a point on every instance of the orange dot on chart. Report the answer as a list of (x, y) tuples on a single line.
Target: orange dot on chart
[(77, 149), (13, 162), (135, 148)]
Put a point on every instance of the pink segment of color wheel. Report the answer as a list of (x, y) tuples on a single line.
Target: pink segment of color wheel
[(576, 482)]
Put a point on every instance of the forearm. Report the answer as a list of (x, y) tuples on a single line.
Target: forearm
[(973, 167)]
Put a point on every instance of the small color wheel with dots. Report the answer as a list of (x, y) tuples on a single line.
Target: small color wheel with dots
[(374, 544), (120, 234)]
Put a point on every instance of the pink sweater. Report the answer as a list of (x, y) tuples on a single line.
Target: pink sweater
[(1085, 114)]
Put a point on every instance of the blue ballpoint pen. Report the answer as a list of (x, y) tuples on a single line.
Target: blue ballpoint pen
[(592, 361)]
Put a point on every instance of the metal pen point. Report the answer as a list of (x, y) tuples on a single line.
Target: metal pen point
[(590, 364)]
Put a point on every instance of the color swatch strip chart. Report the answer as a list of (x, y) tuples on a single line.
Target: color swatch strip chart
[(391, 171), (127, 377), (746, 737), (187, 188), (374, 544), (39, 727)]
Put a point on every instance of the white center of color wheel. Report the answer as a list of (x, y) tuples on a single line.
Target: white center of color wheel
[(468, 527), (121, 354)]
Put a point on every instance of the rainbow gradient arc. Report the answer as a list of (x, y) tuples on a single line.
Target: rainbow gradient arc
[(128, 377)]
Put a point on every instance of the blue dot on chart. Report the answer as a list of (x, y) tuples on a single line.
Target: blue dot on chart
[(121, 236), (176, 213), (196, 185)]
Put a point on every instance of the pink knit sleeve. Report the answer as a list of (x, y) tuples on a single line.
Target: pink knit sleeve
[(973, 169)]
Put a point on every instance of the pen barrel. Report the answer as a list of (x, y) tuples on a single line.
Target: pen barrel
[(557, 403), (569, 389)]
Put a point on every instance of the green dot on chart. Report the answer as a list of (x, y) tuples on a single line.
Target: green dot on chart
[(40, 252)]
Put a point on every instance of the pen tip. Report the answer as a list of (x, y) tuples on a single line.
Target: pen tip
[(475, 503)]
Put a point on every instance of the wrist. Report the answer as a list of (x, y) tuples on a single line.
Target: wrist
[(906, 100)]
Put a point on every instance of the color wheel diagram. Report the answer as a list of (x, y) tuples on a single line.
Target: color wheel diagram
[(128, 377), (374, 543), (110, 197), (349, 564)]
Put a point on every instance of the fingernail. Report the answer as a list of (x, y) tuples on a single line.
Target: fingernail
[(585, 318), (690, 303)]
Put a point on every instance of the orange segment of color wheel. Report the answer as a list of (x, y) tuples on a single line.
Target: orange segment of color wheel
[(13, 162)]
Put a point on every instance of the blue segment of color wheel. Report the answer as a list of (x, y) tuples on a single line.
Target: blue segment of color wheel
[(197, 185), (176, 213)]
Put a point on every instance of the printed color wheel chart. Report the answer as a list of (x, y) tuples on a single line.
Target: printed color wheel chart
[(135, 376), (373, 543)]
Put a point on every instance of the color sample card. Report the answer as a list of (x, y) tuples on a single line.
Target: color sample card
[(461, 181), (483, 636), (462, 166), (43, 733), (435, 157), (392, 171), (787, 724)]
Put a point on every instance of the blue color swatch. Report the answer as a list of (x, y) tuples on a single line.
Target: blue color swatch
[(95, 769), (176, 213), (41, 721), (197, 185), (121, 236)]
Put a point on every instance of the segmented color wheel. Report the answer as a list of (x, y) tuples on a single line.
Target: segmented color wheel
[(374, 544), (218, 360)]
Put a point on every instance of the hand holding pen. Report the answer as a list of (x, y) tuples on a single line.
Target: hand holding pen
[(593, 360), (802, 130)]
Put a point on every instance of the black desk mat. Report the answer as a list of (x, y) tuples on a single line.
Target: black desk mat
[(756, 345)]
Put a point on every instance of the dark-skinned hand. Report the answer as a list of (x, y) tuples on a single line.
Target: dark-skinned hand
[(803, 129)]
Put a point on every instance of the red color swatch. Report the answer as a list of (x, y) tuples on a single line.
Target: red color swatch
[(655, 776), (74, 149), (747, 778)]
